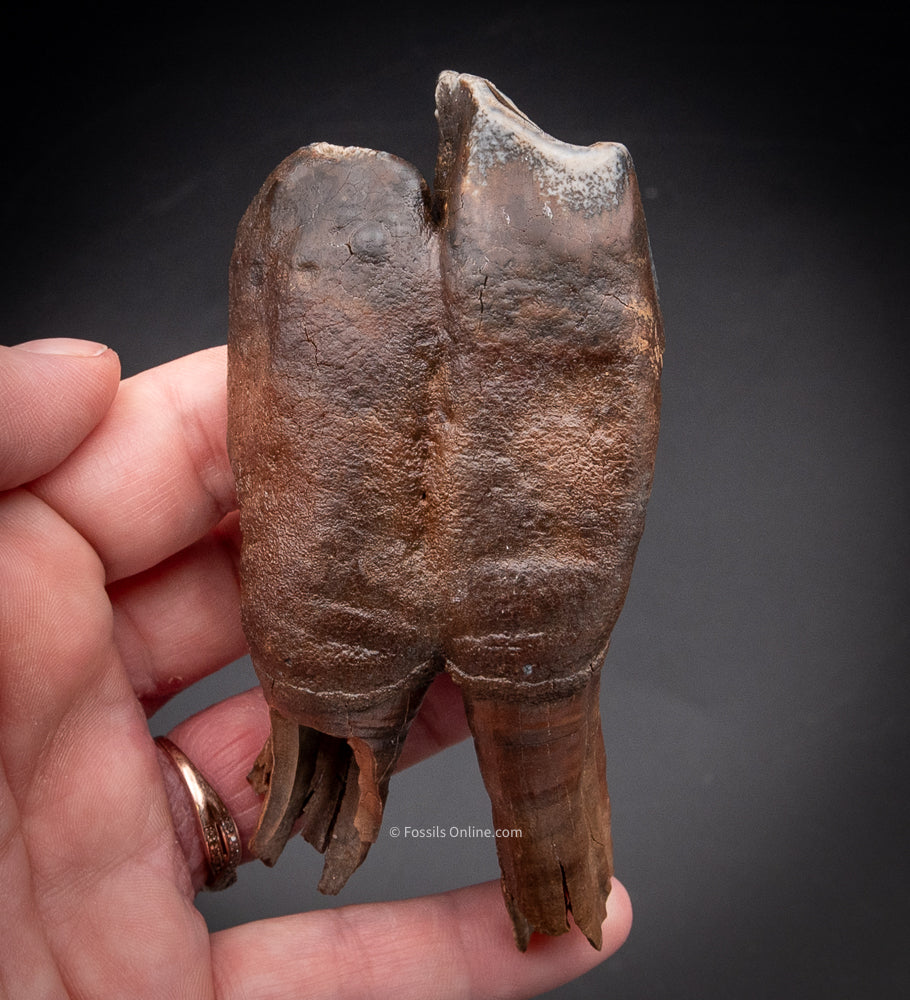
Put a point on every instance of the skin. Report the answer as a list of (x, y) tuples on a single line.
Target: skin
[(118, 588)]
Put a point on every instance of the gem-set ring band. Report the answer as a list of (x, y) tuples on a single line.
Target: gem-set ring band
[(220, 837)]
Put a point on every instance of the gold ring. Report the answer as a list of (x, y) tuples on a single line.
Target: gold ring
[(220, 837)]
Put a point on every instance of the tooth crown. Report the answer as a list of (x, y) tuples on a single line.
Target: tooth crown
[(443, 419)]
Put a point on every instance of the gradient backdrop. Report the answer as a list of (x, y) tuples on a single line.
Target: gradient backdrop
[(756, 693)]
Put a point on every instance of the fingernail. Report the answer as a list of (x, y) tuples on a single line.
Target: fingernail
[(67, 346)]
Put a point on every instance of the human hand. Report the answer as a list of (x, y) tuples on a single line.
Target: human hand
[(118, 588)]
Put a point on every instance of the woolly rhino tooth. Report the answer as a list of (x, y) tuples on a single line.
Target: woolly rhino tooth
[(443, 424)]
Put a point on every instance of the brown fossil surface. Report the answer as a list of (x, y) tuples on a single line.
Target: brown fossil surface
[(443, 415)]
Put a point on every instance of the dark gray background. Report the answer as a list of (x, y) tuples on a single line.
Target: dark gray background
[(755, 696)]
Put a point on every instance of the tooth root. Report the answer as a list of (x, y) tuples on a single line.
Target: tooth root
[(333, 788), (282, 773), (542, 762)]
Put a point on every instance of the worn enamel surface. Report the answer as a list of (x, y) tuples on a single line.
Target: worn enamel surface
[(443, 420)]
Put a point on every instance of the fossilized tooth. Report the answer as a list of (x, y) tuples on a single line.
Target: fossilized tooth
[(443, 420)]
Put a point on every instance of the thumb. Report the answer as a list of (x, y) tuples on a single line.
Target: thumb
[(52, 394)]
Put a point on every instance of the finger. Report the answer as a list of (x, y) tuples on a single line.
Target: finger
[(54, 621), (440, 723), (224, 740), (160, 463), (54, 393), (453, 945), (180, 621), (92, 823)]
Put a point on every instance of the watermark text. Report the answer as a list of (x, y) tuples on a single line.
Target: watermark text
[(452, 833)]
